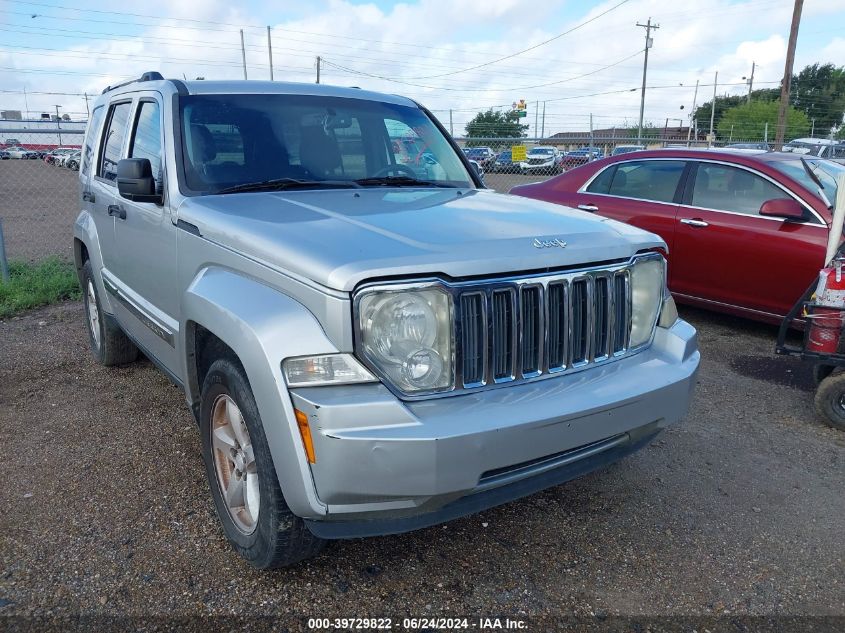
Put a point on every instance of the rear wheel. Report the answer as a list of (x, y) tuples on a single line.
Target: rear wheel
[(241, 475), (109, 344), (830, 401)]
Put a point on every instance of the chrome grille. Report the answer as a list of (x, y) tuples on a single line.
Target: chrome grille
[(521, 329)]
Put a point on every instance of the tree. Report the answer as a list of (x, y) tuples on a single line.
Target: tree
[(494, 124), (726, 102), (819, 90), (747, 122)]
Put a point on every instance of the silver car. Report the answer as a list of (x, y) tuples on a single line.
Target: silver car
[(368, 347)]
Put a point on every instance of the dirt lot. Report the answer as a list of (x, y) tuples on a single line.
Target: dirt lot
[(738, 510), (38, 205)]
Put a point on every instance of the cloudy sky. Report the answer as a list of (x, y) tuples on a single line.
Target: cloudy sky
[(445, 53)]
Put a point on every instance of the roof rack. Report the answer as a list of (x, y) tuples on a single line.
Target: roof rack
[(147, 76)]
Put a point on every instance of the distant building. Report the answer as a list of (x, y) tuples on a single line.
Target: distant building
[(11, 115)]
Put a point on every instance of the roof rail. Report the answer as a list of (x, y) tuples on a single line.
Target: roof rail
[(147, 76)]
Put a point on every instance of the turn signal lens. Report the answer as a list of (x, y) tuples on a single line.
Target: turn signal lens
[(305, 434)]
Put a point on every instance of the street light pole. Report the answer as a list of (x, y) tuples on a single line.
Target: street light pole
[(59, 123), (692, 114)]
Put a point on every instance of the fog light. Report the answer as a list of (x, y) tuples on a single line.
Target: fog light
[(423, 368)]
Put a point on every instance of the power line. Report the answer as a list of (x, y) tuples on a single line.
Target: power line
[(530, 48)]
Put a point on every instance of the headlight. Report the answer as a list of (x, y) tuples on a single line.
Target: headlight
[(647, 284), (407, 336), (326, 369)]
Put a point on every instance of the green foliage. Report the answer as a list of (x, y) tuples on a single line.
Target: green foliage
[(494, 124), (32, 285), (818, 91), (725, 103), (747, 122), (650, 130)]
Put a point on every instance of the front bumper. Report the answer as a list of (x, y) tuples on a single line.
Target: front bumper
[(386, 466), (540, 167)]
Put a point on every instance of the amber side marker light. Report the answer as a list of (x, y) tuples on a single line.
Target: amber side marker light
[(305, 434)]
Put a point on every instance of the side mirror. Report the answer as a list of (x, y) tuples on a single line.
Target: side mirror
[(135, 180), (786, 208)]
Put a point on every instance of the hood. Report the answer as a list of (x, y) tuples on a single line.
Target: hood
[(339, 238)]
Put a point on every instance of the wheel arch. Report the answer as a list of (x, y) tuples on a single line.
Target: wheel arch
[(258, 326)]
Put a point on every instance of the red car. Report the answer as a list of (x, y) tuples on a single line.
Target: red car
[(746, 232)]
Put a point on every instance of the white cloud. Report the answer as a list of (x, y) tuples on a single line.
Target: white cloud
[(434, 37)]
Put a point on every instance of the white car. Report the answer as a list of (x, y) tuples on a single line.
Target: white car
[(542, 160), (820, 147), (21, 152)]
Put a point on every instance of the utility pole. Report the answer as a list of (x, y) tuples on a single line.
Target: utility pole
[(536, 119), (692, 114), (59, 123), (592, 142), (813, 129), (270, 51), (243, 52), (751, 81), (318, 69), (87, 111), (786, 84), (26, 101), (713, 110), (543, 124), (648, 26), (451, 128)]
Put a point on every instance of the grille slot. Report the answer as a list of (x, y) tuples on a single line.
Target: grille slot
[(580, 324), (601, 318), (531, 324), (557, 324), (473, 340), (502, 335), (622, 312)]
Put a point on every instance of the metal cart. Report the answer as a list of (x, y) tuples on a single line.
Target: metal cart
[(820, 315)]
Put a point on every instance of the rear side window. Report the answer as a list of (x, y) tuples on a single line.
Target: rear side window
[(146, 142), (601, 183), (91, 139), (647, 179), (728, 188), (113, 140)]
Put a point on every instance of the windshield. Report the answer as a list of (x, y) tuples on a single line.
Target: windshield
[(234, 140), (542, 152), (826, 171)]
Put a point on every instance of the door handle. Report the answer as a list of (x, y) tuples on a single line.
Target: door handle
[(588, 207), (87, 196), (118, 211), (693, 222)]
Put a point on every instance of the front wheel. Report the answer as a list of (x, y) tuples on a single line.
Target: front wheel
[(830, 401), (246, 492)]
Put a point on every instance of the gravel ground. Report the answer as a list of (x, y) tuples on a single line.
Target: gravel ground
[(38, 205), (738, 510)]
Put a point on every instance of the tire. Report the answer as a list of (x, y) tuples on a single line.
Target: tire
[(830, 401), (276, 537), (109, 344)]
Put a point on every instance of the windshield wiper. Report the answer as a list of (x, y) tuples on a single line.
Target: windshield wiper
[(281, 184), (400, 181), (817, 180)]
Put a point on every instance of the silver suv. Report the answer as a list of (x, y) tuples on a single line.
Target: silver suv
[(370, 341)]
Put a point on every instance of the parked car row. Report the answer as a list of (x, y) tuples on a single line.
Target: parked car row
[(64, 157)]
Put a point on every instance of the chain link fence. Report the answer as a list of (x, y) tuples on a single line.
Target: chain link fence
[(38, 192), (39, 179)]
